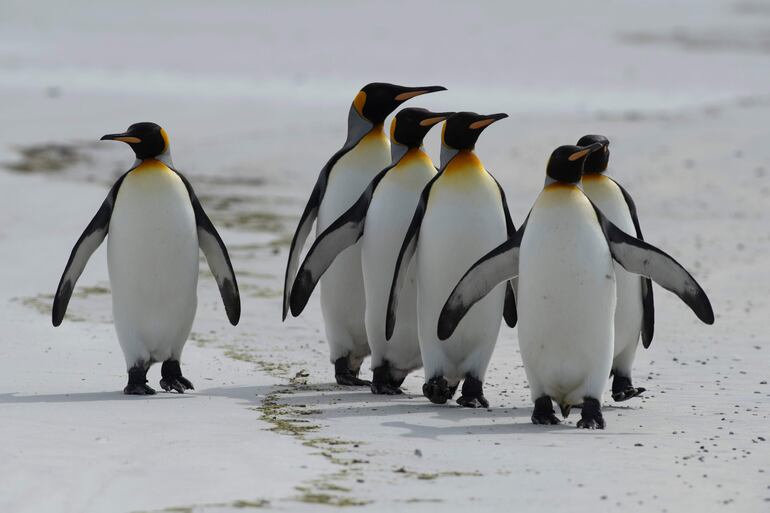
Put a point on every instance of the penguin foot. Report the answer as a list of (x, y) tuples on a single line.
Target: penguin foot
[(137, 381), (544, 413), (138, 389), (628, 393), (172, 379), (347, 377), (385, 389), (623, 389), (382, 382), (472, 394), (437, 390), (591, 415)]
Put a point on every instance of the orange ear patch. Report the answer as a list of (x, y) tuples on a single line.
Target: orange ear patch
[(359, 102), (165, 139)]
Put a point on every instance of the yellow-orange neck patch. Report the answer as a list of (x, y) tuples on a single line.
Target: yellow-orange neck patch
[(150, 165), (413, 156), (463, 162)]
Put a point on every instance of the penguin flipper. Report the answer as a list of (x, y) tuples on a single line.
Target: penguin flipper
[(509, 308), (497, 266), (217, 257), (639, 257), (408, 248), (338, 236), (306, 223), (91, 238), (648, 303)]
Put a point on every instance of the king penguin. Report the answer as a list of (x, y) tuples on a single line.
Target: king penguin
[(380, 218), (462, 213), (365, 153), (155, 224), (635, 310), (563, 256)]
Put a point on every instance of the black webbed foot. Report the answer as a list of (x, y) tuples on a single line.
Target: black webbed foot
[(382, 382), (172, 379), (543, 413), (347, 377), (472, 394), (137, 381), (591, 414), (623, 389), (437, 390)]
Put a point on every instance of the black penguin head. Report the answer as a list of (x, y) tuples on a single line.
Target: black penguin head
[(377, 100), (410, 126), (148, 140), (462, 130), (596, 162), (566, 162)]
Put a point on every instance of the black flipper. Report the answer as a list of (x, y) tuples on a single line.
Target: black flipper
[(88, 242), (306, 221), (217, 257), (340, 235), (408, 248), (509, 310), (639, 257), (497, 266), (648, 304)]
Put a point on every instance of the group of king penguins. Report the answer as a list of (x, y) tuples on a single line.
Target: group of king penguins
[(417, 264)]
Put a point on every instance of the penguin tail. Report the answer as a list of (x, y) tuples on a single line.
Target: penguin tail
[(565, 409)]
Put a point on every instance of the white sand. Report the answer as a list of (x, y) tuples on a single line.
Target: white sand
[(255, 98)]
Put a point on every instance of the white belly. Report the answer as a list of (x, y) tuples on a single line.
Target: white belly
[(390, 213), (153, 264), (566, 298), (464, 221), (628, 314), (342, 290)]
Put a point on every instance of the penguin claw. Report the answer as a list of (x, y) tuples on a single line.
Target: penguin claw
[(628, 393), (351, 381), (545, 419), (138, 389), (473, 402), (590, 423), (179, 384), (385, 389)]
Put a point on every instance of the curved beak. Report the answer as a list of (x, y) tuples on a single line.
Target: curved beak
[(124, 137), (411, 92), (585, 151), (435, 117), (485, 121)]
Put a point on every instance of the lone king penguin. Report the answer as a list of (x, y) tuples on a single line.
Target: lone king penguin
[(155, 224)]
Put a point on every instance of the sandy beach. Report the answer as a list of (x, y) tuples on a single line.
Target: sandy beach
[(255, 99)]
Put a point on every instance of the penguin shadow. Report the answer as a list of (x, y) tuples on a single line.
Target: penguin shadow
[(251, 395), (84, 397), (490, 429)]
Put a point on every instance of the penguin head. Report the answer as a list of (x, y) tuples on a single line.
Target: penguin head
[(462, 130), (596, 162), (377, 100), (147, 139), (410, 126), (566, 162)]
